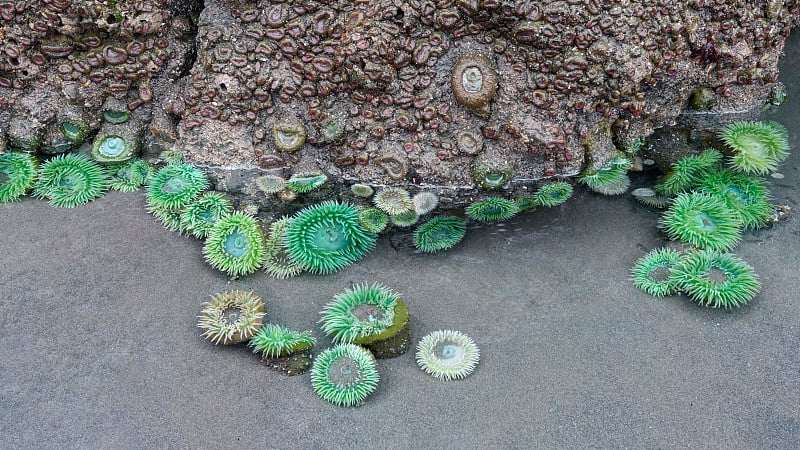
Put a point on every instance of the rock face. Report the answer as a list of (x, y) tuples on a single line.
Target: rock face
[(433, 94)]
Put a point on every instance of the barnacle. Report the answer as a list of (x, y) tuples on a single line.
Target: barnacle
[(235, 245), (439, 233), (231, 317)]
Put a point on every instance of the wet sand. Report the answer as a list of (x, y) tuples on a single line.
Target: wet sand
[(99, 346)]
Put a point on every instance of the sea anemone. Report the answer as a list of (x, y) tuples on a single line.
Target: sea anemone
[(129, 176), (116, 116), (688, 172), (405, 219), (526, 202), (393, 201), (447, 354), (359, 312), (474, 81), (231, 317), (289, 134), (171, 219), (649, 197), (439, 233), (17, 175), (373, 219), (611, 173), (424, 202), (759, 147), (276, 257), (175, 185), (200, 215), (618, 188), (327, 237), (344, 375), (492, 209), (362, 190), (553, 194), (275, 341), (235, 245), (270, 184), (70, 180), (491, 173), (702, 220), (653, 272), (74, 130), (111, 148), (717, 280), (302, 183), (744, 194)]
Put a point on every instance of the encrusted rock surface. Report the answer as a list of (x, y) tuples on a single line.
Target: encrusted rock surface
[(386, 92)]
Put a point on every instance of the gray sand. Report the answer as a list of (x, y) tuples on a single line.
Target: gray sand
[(99, 346)]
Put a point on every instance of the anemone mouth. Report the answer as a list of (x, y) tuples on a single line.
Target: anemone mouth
[(231, 315), (449, 353), (717, 275), (236, 244), (330, 238), (176, 184), (344, 372), (472, 79), (367, 313), (112, 146), (702, 221)]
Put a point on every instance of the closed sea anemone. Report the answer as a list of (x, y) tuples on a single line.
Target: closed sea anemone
[(759, 147), (702, 220), (302, 183), (275, 341), (653, 272), (362, 190), (231, 317), (492, 209), (393, 201), (744, 194), (491, 173), (171, 219), (717, 280), (202, 213), (474, 81), (688, 173), (235, 245), (130, 175), (17, 175), (74, 130), (373, 219), (439, 233), (553, 194), (344, 375), (447, 354), (425, 202), (276, 257), (327, 237), (175, 185), (70, 180)]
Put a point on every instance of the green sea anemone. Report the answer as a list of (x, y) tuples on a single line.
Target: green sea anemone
[(202, 213), (759, 147), (70, 180), (526, 202), (129, 176), (270, 184), (276, 257), (74, 130), (275, 341), (327, 237), (702, 220), (717, 280), (653, 272), (492, 209), (373, 219), (405, 219), (439, 233), (425, 202), (553, 194), (171, 219), (618, 188), (289, 134), (492, 173), (609, 174), (362, 190), (171, 156), (231, 317), (688, 172), (344, 375), (744, 194), (175, 186), (447, 354), (17, 175), (393, 201), (116, 116), (235, 245), (650, 198), (302, 183), (111, 148), (359, 312)]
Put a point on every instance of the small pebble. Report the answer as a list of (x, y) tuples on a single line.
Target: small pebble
[(777, 176)]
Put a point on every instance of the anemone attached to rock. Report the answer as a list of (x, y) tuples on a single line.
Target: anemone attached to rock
[(17, 175), (201, 214), (130, 175), (702, 220), (439, 233), (74, 130), (447, 354), (373, 219), (653, 272), (306, 182), (111, 148), (360, 312), (405, 219), (70, 180), (231, 317), (759, 147), (270, 184), (327, 237), (717, 280), (492, 209), (744, 194), (688, 173), (425, 202), (275, 341), (526, 202), (553, 194), (175, 186), (171, 219), (393, 201), (491, 173), (362, 190), (235, 245), (276, 257), (618, 188), (614, 171), (344, 375)]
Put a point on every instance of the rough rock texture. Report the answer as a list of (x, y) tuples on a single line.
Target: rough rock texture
[(411, 93)]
